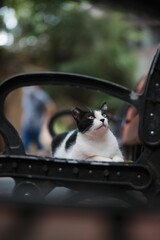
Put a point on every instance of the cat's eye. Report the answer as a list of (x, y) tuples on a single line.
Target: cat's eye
[(90, 117)]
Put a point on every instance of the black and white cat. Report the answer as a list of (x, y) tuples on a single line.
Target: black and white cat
[(92, 140)]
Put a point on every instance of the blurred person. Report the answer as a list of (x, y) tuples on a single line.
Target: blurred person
[(37, 109), (62, 225), (130, 128), (10, 222), (143, 227)]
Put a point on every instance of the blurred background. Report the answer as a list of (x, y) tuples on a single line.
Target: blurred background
[(73, 36), (85, 37)]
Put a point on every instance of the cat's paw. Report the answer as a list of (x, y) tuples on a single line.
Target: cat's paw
[(117, 159)]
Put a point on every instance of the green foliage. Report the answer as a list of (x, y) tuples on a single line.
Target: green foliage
[(108, 55), (66, 36)]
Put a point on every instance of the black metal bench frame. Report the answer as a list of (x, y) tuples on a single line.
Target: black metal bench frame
[(142, 175)]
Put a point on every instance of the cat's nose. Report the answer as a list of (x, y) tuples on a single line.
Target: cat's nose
[(102, 120)]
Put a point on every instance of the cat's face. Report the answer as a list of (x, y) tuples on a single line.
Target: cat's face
[(91, 122)]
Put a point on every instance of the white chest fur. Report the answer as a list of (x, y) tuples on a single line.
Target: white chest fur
[(106, 146), (96, 148)]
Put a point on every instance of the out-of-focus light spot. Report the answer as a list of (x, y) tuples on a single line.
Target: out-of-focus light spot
[(95, 12), (6, 39), (9, 17), (86, 6), (31, 41), (3, 39), (83, 6), (25, 42)]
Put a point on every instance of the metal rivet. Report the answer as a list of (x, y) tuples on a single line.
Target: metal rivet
[(1, 165), (27, 195), (75, 170), (118, 173), (157, 84), (106, 173), (152, 132), (151, 114), (60, 169), (29, 166), (90, 172), (138, 176)]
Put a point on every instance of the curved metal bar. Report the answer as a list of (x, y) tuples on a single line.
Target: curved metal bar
[(75, 173), (66, 79), (53, 120), (149, 100), (14, 144)]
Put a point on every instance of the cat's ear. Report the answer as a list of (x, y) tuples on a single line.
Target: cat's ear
[(104, 107), (76, 113)]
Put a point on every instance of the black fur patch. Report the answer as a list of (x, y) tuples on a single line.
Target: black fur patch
[(71, 140), (57, 141), (85, 123)]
